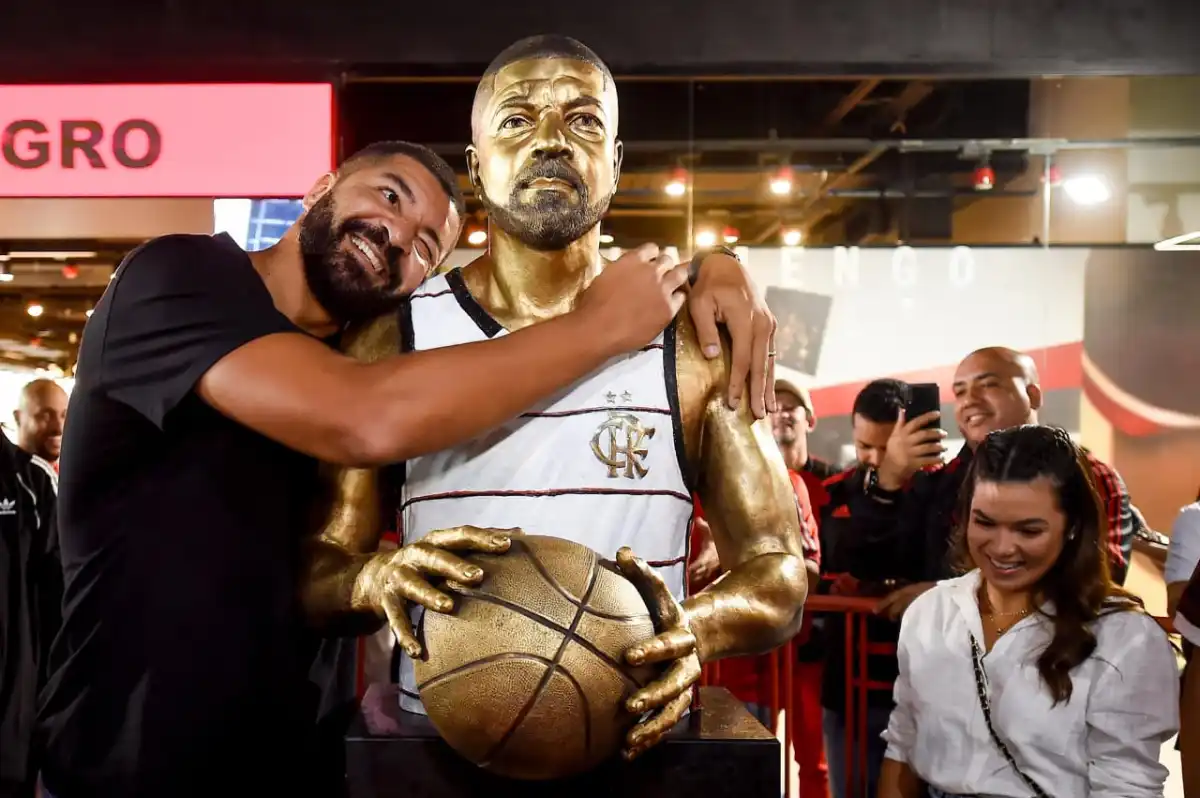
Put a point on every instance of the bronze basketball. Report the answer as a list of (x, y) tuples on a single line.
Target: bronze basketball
[(526, 677)]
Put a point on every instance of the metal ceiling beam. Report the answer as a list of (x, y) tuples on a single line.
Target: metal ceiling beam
[(849, 103), (1035, 145), (894, 113)]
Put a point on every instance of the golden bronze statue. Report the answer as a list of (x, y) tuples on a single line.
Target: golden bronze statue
[(545, 160)]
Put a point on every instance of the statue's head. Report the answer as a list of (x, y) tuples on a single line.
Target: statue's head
[(373, 230), (544, 157)]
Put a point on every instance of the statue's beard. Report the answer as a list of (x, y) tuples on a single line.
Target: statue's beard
[(554, 219)]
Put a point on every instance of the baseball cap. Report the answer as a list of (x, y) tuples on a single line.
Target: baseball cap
[(787, 386)]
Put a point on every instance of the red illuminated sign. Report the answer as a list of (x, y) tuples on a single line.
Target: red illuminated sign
[(195, 140)]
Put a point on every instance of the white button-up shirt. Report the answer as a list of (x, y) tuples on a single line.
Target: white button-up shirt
[(1104, 743)]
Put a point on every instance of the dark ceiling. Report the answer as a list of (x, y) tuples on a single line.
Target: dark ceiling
[(732, 135)]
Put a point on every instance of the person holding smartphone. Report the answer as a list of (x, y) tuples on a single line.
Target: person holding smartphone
[(901, 523)]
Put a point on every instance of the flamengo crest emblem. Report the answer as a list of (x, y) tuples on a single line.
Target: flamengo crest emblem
[(620, 442)]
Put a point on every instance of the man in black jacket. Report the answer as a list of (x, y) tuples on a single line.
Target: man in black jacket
[(30, 592), (876, 409)]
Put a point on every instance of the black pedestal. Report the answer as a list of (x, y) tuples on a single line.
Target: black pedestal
[(720, 751)]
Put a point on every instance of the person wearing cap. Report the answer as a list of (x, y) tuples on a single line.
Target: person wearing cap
[(791, 422)]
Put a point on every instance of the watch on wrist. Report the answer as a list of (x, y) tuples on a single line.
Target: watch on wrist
[(698, 258), (873, 489)]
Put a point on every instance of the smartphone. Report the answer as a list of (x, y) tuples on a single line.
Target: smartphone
[(924, 397)]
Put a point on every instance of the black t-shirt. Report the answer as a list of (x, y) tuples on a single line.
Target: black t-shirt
[(180, 668)]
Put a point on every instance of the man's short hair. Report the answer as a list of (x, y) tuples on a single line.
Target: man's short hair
[(434, 163), (550, 45), (881, 401)]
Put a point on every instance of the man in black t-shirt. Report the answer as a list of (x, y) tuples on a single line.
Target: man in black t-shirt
[(205, 394)]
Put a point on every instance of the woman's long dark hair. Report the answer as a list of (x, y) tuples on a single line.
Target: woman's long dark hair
[(1078, 584)]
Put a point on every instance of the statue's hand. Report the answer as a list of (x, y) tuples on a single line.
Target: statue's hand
[(670, 694), (391, 579)]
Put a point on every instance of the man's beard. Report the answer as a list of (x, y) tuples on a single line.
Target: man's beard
[(336, 278), (552, 221)]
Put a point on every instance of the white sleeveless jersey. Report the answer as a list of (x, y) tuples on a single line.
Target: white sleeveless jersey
[(601, 464)]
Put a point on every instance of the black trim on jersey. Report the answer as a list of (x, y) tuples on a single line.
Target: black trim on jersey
[(670, 374), (404, 323), (483, 320), (392, 477)]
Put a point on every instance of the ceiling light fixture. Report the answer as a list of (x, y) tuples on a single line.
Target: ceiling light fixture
[(1086, 189), (677, 185), (781, 183)]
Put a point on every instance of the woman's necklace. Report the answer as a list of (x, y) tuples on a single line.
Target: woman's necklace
[(991, 615)]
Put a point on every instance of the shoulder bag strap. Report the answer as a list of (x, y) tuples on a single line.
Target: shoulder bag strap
[(985, 705)]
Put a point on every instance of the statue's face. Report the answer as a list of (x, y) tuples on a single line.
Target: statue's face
[(546, 157)]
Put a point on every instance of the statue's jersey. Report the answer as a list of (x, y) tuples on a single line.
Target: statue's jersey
[(602, 463)]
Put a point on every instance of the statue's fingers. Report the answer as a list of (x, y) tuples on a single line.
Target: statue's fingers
[(438, 562), (489, 540), (670, 645), (397, 617), (409, 584), (677, 680), (650, 731), (663, 605)]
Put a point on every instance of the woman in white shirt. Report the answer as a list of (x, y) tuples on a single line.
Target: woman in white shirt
[(1032, 675)]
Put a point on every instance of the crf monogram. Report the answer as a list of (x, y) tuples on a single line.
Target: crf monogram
[(618, 443)]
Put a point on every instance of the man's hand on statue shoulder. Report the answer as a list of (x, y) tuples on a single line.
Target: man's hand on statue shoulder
[(392, 579), (668, 697), (725, 294), (633, 299)]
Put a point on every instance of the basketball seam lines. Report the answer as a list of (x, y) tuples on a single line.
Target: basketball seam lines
[(533, 616), (441, 677), (537, 564), (541, 687)]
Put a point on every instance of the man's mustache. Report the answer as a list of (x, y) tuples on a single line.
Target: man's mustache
[(550, 170)]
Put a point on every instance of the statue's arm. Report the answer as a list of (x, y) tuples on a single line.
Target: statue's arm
[(751, 507), (348, 518)]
